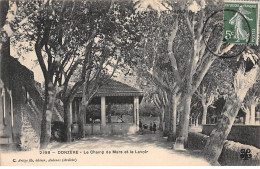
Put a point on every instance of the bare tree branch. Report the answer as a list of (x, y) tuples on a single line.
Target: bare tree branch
[(190, 25), (204, 69), (170, 51)]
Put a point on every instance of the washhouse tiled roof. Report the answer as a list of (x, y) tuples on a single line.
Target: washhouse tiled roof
[(116, 88)]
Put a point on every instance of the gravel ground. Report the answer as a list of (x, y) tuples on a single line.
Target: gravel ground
[(146, 149), (129, 150)]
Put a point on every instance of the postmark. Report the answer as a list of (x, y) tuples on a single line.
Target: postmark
[(213, 33), (225, 25), (241, 21)]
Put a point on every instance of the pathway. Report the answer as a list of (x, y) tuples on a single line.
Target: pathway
[(147, 149)]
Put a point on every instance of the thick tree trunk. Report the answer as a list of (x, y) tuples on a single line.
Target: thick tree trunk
[(173, 113), (85, 101), (182, 138), (82, 112), (167, 122), (178, 117), (252, 114), (47, 116), (67, 121), (217, 137), (161, 119), (204, 115), (243, 81), (170, 131), (247, 119)]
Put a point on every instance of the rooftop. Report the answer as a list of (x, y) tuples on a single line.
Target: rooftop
[(113, 88)]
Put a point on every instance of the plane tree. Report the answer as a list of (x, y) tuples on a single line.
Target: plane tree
[(73, 37), (185, 52), (58, 40), (250, 103), (216, 84), (242, 81), (193, 60), (9, 24)]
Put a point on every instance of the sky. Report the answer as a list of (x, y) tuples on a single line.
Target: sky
[(28, 61)]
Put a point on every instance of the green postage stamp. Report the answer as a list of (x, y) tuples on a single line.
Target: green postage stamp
[(241, 22)]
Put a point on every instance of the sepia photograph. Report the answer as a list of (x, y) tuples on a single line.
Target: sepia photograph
[(129, 83)]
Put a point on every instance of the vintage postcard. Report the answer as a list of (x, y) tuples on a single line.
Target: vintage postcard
[(129, 83)]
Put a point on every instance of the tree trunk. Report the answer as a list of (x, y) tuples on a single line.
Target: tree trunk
[(217, 137), (173, 104), (242, 82), (67, 121), (47, 116), (161, 119), (192, 121), (178, 117), (85, 101), (252, 114), (182, 138), (167, 122), (197, 121), (170, 131), (247, 119), (204, 115), (82, 112)]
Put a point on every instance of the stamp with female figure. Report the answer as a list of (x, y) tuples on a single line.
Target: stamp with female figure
[(241, 22)]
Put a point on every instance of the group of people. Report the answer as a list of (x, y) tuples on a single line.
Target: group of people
[(152, 126)]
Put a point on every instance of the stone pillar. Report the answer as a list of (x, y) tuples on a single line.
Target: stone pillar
[(12, 108), (4, 104), (136, 110), (70, 114), (103, 111), (78, 110), (1, 113)]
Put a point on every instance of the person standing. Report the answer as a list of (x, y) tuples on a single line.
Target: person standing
[(154, 127), (151, 127), (140, 125)]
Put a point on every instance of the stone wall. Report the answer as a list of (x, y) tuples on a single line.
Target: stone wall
[(20, 80), (27, 102), (245, 134), (231, 151), (197, 141), (30, 132), (111, 129)]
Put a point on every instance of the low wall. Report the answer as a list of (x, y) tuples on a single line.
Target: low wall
[(148, 120), (245, 134), (197, 141), (230, 154), (111, 129)]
